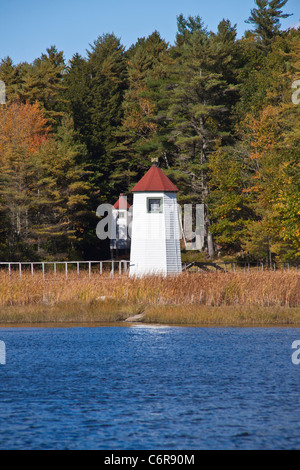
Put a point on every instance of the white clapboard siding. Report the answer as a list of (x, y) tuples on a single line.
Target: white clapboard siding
[(173, 254), (155, 237)]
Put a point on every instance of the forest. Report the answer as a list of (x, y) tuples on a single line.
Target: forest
[(218, 112)]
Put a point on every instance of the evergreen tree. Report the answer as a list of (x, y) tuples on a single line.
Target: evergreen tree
[(43, 82), (187, 27), (77, 81), (266, 20), (95, 90), (109, 78), (200, 110), (230, 204), (62, 212), (137, 133), (11, 75)]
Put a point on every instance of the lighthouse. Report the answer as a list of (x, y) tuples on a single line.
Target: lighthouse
[(155, 232), (119, 241)]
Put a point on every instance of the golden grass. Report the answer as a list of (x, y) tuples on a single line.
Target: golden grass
[(207, 298), (239, 315)]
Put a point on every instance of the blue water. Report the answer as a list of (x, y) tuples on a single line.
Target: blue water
[(143, 387)]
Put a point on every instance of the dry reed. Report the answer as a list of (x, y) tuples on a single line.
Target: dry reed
[(80, 298)]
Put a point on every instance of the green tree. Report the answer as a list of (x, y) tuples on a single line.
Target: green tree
[(62, 212), (12, 76), (266, 20), (42, 81), (138, 130), (107, 67), (95, 91), (200, 109), (77, 81), (230, 204)]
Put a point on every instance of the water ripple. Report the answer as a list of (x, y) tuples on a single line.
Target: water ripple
[(149, 387)]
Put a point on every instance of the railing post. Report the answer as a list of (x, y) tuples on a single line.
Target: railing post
[(20, 269), (90, 269), (9, 269), (101, 267), (77, 268), (31, 268), (66, 269), (43, 269)]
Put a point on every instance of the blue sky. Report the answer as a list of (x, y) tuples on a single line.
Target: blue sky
[(28, 27)]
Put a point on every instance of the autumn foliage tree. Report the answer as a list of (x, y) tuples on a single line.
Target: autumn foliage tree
[(42, 185), (23, 131)]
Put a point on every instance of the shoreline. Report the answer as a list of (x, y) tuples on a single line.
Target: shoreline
[(107, 314)]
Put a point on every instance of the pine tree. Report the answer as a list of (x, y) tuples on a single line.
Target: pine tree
[(77, 81), (139, 127), (200, 111), (61, 203), (266, 19), (43, 82), (11, 75), (187, 27), (230, 204), (95, 89)]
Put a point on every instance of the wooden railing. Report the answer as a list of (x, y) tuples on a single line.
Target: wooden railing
[(111, 267)]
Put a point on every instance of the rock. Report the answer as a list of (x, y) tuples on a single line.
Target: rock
[(138, 317)]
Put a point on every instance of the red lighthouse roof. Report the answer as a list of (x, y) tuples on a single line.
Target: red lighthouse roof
[(121, 203), (155, 180)]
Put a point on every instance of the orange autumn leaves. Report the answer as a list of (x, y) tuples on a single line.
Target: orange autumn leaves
[(22, 127)]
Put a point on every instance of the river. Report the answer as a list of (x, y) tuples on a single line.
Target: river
[(149, 387)]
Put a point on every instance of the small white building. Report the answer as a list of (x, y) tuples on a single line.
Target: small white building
[(155, 232), (121, 216)]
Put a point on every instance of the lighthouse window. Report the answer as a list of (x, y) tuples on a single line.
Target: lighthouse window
[(154, 205)]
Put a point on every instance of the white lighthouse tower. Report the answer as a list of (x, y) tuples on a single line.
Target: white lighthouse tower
[(119, 240), (155, 233)]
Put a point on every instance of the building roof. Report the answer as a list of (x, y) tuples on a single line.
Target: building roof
[(122, 203), (155, 180)]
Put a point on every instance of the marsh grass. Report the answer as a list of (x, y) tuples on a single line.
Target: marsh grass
[(209, 298)]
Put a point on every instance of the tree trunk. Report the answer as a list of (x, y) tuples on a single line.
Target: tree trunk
[(210, 245)]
